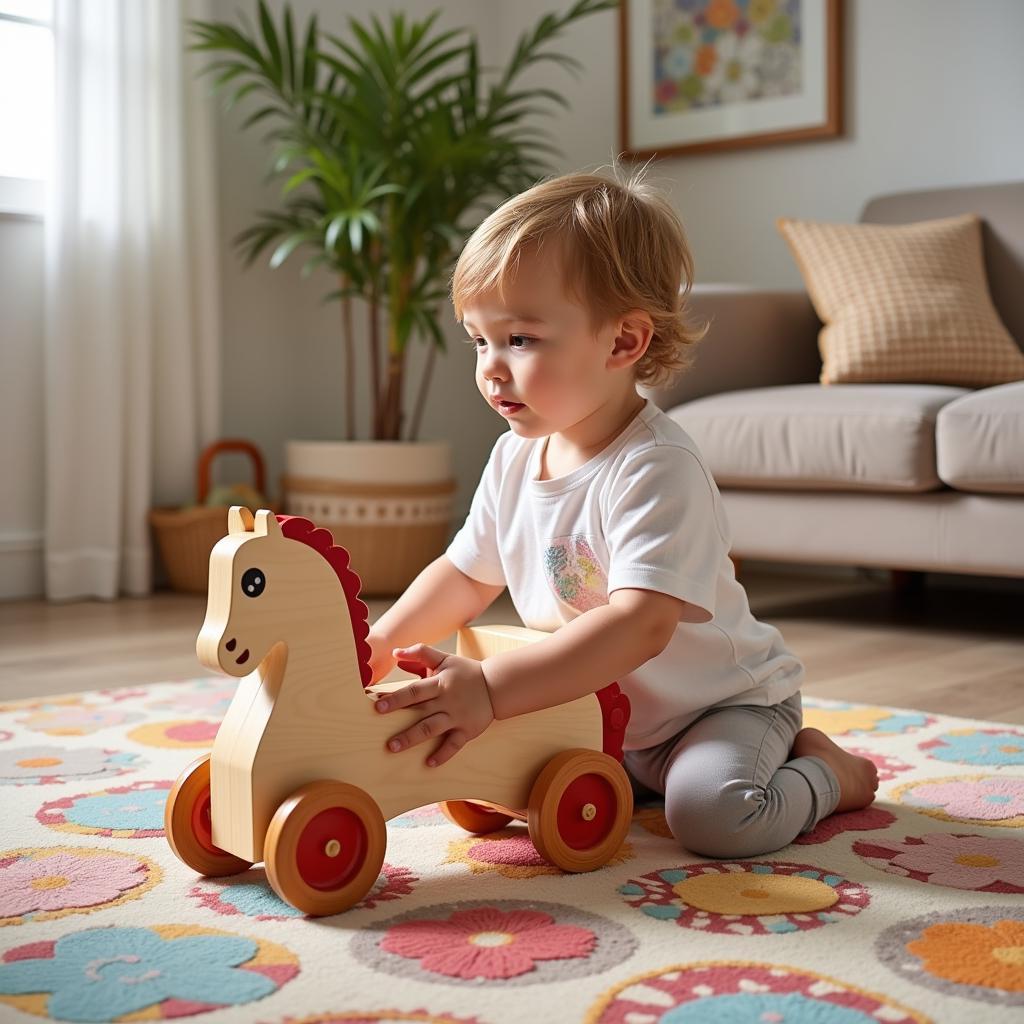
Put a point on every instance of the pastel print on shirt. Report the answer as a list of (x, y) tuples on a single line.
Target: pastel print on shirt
[(574, 573)]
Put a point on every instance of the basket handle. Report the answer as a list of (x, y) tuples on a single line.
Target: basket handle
[(228, 444)]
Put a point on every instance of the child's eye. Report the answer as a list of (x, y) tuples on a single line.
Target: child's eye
[(521, 338)]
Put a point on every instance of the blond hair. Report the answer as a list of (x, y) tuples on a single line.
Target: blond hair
[(624, 248)]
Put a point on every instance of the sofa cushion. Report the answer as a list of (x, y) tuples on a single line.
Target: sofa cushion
[(849, 437), (979, 441), (904, 302)]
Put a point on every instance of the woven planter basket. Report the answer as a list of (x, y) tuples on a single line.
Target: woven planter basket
[(185, 537), (389, 504)]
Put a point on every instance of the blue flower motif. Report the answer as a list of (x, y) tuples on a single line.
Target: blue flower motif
[(793, 1008), (103, 973), (987, 748), (256, 900), (141, 809), (899, 723)]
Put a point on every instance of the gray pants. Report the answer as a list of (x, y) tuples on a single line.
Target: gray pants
[(730, 789)]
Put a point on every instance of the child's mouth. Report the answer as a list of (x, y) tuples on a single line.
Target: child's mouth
[(508, 408)]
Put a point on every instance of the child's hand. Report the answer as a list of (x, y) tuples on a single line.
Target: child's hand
[(382, 660), (453, 698)]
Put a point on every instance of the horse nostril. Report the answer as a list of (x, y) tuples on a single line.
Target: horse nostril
[(231, 644)]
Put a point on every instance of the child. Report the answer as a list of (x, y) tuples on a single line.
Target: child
[(597, 511)]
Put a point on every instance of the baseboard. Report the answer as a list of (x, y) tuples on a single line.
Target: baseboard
[(21, 566)]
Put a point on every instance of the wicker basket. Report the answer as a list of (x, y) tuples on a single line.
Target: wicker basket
[(186, 536)]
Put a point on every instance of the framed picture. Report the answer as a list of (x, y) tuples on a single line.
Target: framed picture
[(703, 75)]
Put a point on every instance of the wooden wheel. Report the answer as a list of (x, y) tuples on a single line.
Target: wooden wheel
[(188, 826), (325, 846), (580, 809), (473, 817)]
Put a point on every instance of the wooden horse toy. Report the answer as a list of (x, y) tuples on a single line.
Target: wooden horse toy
[(299, 775)]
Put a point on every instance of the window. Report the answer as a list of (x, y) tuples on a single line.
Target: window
[(26, 103)]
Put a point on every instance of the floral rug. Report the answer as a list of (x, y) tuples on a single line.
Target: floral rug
[(911, 910)]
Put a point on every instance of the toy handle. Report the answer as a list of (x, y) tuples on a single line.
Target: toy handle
[(228, 444)]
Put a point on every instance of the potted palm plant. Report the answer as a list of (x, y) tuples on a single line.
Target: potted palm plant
[(390, 145)]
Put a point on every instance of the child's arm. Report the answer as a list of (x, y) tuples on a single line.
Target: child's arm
[(461, 697), (439, 601), (591, 651)]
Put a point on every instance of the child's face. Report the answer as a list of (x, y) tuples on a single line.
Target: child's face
[(536, 346)]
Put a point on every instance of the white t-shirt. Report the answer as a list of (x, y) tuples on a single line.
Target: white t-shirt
[(646, 514)]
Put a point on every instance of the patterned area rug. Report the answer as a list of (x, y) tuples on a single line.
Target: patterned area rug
[(909, 911)]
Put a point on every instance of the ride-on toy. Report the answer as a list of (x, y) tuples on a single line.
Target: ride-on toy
[(299, 775)]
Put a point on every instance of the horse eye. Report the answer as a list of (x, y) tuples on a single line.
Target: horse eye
[(253, 582)]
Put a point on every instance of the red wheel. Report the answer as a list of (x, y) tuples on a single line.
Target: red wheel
[(473, 817), (188, 825), (580, 809), (325, 847)]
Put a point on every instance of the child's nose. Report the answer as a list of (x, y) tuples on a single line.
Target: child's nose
[(494, 366)]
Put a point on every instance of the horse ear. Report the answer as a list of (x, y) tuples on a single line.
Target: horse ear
[(267, 524), (240, 520)]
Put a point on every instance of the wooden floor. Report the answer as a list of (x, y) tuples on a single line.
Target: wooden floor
[(957, 647)]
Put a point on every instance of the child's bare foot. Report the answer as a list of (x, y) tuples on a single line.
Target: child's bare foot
[(858, 777)]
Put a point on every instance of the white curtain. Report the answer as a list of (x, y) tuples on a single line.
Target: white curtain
[(132, 315)]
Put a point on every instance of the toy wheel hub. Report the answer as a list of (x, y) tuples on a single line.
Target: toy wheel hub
[(586, 811), (331, 849), (202, 822)]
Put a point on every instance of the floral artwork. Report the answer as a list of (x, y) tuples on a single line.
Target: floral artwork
[(715, 73), (723, 51)]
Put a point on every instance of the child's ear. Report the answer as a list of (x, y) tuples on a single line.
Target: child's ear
[(635, 331)]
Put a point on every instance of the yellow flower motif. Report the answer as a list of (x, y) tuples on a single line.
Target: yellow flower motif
[(837, 721), (741, 892)]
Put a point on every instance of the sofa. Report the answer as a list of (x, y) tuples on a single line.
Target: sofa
[(918, 477)]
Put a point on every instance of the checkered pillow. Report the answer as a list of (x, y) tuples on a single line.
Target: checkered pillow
[(904, 303)]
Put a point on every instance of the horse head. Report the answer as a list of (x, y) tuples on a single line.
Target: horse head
[(259, 582)]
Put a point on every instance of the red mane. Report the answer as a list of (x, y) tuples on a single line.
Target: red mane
[(322, 541)]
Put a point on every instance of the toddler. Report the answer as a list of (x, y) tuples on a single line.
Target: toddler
[(598, 512)]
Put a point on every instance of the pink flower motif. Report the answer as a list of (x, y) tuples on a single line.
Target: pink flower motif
[(888, 767), (987, 799), (61, 880), (518, 850), (964, 862), (193, 732), (487, 942), (865, 820)]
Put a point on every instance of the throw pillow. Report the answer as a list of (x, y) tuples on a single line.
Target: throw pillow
[(903, 303)]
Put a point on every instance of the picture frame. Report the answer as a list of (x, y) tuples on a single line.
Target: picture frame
[(699, 76)]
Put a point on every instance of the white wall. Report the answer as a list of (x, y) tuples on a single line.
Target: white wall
[(933, 94), (934, 91), (21, 406)]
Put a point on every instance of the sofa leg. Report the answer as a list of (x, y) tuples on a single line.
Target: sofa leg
[(907, 582)]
